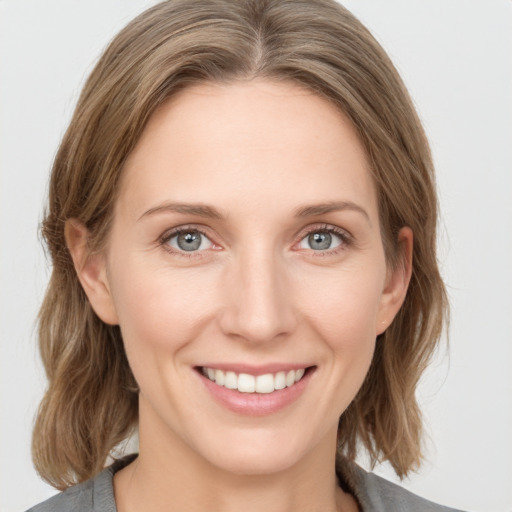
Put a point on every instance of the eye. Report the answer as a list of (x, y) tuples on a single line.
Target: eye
[(322, 240), (189, 240)]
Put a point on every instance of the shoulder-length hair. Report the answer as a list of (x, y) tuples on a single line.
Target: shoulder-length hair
[(91, 402)]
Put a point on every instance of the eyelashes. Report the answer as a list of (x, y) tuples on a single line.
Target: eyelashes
[(326, 239), (191, 241), (186, 241)]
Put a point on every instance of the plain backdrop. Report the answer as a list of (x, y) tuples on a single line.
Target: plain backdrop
[(456, 58)]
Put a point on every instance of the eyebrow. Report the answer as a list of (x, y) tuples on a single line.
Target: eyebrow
[(333, 206), (209, 212), (199, 210)]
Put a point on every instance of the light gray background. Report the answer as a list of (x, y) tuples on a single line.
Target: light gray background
[(456, 58)]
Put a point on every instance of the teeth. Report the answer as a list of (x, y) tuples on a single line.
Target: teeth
[(230, 381), (265, 383), (280, 380), (219, 377), (246, 383)]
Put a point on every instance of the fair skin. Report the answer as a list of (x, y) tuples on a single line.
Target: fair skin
[(279, 265)]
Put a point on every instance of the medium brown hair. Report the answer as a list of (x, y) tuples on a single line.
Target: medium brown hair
[(91, 401)]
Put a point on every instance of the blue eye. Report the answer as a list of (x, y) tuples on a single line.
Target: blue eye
[(189, 240), (321, 240)]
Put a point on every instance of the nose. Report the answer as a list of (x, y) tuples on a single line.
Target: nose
[(257, 300)]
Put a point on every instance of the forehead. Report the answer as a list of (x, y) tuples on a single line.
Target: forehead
[(256, 141)]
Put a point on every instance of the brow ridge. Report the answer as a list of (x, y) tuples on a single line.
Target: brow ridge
[(198, 209), (329, 207), (207, 211)]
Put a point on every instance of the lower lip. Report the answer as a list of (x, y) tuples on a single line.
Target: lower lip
[(256, 404)]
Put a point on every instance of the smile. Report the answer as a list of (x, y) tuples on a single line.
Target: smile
[(255, 391), (247, 383)]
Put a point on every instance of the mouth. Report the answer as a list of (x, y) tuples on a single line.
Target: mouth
[(255, 391), (247, 383)]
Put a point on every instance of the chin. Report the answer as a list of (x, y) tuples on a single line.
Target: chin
[(245, 462), (251, 453)]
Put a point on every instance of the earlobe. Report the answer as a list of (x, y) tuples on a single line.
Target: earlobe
[(397, 282), (91, 270)]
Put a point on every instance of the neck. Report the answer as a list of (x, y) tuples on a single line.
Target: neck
[(171, 476)]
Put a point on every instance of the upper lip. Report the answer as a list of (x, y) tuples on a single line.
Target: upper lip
[(255, 369)]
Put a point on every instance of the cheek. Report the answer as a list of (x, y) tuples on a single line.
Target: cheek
[(343, 306), (158, 309)]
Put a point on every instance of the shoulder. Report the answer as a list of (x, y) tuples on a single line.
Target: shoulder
[(376, 494), (386, 494), (95, 495), (79, 498)]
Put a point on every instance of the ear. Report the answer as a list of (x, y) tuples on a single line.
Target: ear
[(91, 270), (397, 282)]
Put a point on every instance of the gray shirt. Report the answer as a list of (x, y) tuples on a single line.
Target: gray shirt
[(374, 494)]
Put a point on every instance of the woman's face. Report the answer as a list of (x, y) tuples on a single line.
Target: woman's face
[(246, 249)]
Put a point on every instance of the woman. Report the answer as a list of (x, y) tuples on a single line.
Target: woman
[(242, 220)]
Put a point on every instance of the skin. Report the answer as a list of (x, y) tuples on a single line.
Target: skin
[(255, 293)]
